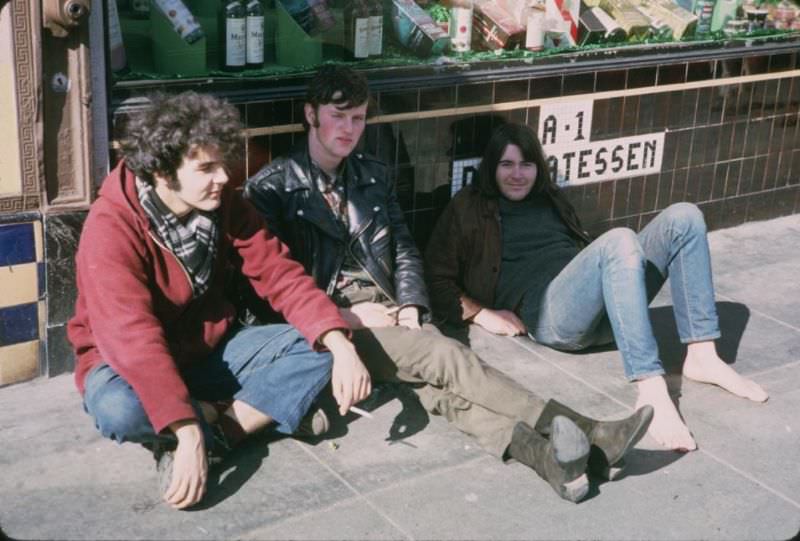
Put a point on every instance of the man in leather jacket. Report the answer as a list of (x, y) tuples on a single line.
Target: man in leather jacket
[(337, 211)]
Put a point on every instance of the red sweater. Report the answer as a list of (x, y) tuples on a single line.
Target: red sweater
[(135, 310)]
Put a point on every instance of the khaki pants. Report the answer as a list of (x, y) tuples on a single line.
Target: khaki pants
[(480, 400)]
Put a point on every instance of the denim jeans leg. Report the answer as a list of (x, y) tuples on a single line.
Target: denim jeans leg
[(118, 413), (676, 243), (272, 368), (607, 278)]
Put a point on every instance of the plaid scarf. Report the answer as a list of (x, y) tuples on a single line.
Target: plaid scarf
[(194, 242)]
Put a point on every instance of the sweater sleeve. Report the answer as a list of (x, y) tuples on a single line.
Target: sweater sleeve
[(444, 270), (113, 282), (279, 279)]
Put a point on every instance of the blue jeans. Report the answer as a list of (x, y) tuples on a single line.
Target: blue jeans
[(271, 368), (603, 293)]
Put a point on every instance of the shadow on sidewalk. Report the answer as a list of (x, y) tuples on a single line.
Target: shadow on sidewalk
[(411, 419), (225, 479)]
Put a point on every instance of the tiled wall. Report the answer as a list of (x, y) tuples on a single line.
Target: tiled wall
[(731, 141), (22, 305)]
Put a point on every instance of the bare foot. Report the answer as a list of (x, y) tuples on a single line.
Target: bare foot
[(667, 427), (704, 365)]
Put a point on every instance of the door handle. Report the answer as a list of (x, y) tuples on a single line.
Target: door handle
[(61, 16)]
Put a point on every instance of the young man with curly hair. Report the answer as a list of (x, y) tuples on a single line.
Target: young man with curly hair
[(161, 360), (337, 211)]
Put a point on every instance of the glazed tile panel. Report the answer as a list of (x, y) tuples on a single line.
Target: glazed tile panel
[(22, 309)]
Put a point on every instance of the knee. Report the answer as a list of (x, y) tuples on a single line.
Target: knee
[(449, 358), (686, 217), (622, 245), (119, 415)]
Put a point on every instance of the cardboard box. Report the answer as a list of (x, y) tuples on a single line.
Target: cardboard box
[(494, 28)]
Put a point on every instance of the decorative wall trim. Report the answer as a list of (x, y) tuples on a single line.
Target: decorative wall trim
[(26, 31)]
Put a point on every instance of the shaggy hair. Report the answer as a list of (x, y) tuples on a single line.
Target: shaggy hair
[(338, 85), (158, 138)]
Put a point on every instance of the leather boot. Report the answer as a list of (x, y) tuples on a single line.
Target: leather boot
[(610, 440), (561, 460)]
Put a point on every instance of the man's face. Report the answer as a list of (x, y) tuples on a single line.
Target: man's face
[(334, 132), (515, 175), (198, 183)]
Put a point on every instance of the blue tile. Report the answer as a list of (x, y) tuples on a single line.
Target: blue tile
[(17, 244), (19, 324)]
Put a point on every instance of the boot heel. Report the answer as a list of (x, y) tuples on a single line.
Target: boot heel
[(576, 489), (561, 460)]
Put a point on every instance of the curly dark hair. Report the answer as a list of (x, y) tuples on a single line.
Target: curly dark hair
[(157, 139), (527, 141), (339, 85)]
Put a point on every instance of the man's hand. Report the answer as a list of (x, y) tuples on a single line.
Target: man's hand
[(190, 466), (502, 322), (408, 316), (367, 314), (350, 380)]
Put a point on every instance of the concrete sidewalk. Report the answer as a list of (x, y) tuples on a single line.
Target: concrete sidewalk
[(405, 475)]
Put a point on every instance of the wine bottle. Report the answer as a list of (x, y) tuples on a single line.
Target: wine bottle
[(356, 21), (254, 24), (233, 35), (375, 28)]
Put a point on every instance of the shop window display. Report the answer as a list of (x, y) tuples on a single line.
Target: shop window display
[(163, 39)]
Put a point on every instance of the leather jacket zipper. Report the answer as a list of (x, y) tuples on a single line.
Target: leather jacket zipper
[(363, 267)]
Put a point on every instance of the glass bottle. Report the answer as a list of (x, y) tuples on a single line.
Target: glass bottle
[(356, 29), (375, 28), (117, 57), (233, 35), (254, 24)]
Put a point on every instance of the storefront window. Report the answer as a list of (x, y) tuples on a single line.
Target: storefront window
[(161, 39)]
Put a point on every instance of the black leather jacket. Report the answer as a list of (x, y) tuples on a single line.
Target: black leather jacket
[(378, 237)]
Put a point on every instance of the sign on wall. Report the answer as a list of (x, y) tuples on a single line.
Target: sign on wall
[(564, 130)]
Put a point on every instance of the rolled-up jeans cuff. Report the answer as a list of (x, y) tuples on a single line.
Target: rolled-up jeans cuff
[(644, 375), (707, 338)]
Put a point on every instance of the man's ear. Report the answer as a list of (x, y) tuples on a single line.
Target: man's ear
[(311, 115)]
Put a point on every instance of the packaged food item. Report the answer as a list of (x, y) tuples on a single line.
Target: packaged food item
[(562, 16), (495, 28), (724, 11), (535, 29), (671, 19), (704, 10), (596, 26), (183, 22), (416, 30), (627, 16), (461, 12)]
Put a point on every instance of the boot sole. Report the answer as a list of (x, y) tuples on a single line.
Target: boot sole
[(571, 452)]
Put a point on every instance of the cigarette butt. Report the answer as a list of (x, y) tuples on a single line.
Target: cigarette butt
[(361, 412)]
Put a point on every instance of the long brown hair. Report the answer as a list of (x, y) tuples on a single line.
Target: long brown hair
[(523, 137)]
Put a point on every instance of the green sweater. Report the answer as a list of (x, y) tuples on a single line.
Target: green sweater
[(537, 245)]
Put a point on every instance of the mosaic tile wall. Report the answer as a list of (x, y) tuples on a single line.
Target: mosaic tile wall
[(731, 147), (22, 305)]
